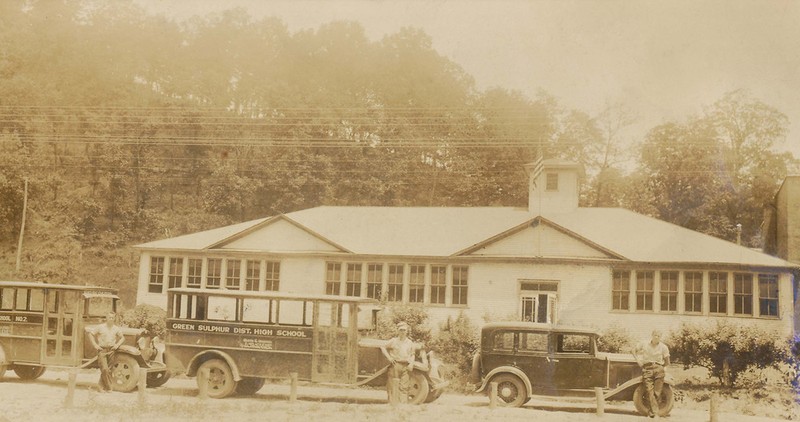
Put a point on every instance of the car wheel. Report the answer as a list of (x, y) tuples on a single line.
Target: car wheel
[(28, 372), (433, 395), (665, 401), (157, 379), (418, 388), (220, 383), (124, 372), (249, 386), (511, 390)]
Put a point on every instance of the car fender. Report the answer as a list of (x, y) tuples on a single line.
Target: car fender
[(134, 353), (632, 384), (199, 358), (505, 370)]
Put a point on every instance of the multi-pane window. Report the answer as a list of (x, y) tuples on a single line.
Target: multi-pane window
[(416, 284), (156, 274), (175, 272), (214, 276), (353, 283), (620, 290), (438, 283), (460, 278), (374, 280), (333, 275), (768, 294), (194, 278), (644, 290), (743, 294), (272, 277), (233, 273), (693, 291), (395, 285), (717, 293), (252, 275), (552, 181), (669, 291)]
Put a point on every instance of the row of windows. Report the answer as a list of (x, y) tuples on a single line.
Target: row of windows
[(727, 294), (26, 299), (405, 283), (232, 274)]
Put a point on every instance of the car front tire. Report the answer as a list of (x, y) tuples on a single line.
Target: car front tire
[(124, 372), (665, 401)]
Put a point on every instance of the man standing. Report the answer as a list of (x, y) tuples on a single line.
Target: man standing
[(400, 353), (106, 339), (653, 356)]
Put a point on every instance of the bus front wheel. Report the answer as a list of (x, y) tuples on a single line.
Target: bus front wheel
[(28, 372), (220, 382)]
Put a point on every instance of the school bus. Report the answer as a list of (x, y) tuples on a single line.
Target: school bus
[(47, 326), (243, 338)]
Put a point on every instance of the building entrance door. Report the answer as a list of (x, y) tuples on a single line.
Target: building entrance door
[(538, 301)]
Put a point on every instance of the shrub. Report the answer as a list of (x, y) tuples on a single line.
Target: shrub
[(615, 339), (726, 350), (415, 316), (792, 359), (456, 343), (148, 317)]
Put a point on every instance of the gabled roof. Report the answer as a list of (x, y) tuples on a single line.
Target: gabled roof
[(449, 231)]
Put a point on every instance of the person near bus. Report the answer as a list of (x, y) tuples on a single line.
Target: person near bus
[(399, 351), (106, 339), (653, 357)]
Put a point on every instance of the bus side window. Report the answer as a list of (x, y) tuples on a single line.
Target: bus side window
[(37, 300), (22, 300), (255, 310), (7, 299), (200, 310)]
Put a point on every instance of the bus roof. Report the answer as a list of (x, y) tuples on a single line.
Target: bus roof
[(34, 284), (275, 295)]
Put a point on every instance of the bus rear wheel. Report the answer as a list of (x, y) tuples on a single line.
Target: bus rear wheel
[(124, 372), (28, 372), (220, 382)]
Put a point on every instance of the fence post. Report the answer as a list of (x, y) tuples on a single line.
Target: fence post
[(601, 403), (73, 378), (492, 395), (714, 408), (293, 387), (202, 383), (142, 381)]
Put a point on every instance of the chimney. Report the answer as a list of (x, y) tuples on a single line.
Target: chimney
[(553, 186)]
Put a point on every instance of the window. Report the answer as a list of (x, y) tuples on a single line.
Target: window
[(36, 300), (273, 276), (251, 278), (353, 284), (395, 286), (221, 308), (22, 299), (768, 294), (693, 291), (620, 290), (718, 293), (743, 294), (332, 278), (573, 343), (533, 342), (214, 273), (644, 290), (195, 273), (175, 272), (504, 340), (669, 291), (438, 283), (552, 182), (416, 282), (256, 310), (233, 273), (156, 275), (374, 280), (460, 285)]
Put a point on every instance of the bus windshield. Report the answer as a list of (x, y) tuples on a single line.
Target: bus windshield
[(100, 306)]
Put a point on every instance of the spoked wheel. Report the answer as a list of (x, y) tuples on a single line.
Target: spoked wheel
[(124, 372), (220, 381), (511, 391), (28, 372), (249, 386), (665, 400)]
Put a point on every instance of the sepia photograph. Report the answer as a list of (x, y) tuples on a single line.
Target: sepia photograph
[(399, 210)]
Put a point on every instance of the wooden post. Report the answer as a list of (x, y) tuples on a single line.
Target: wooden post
[(73, 377), (601, 403), (22, 225), (142, 381), (492, 395), (394, 391), (714, 408), (202, 383), (293, 387)]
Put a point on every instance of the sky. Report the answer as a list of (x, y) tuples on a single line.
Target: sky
[(665, 60)]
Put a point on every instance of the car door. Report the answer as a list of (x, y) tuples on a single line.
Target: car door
[(533, 358), (574, 361)]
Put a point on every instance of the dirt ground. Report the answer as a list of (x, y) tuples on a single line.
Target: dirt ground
[(43, 400)]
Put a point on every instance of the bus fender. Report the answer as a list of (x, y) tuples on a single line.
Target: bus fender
[(198, 359), (505, 370)]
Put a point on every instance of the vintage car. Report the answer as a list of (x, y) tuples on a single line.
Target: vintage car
[(527, 359)]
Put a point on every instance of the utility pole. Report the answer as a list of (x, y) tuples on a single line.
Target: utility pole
[(22, 227)]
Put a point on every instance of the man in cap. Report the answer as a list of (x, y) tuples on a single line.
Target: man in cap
[(653, 357), (399, 351)]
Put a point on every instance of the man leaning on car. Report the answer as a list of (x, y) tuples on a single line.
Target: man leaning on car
[(653, 357)]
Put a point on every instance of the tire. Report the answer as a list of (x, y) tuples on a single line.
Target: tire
[(418, 387), (157, 379), (124, 372), (665, 402), (29, 372), (220, 383), (511, 391), (249, 386), (433, 395)]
